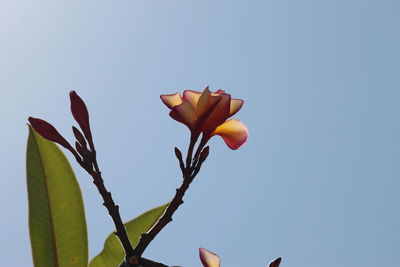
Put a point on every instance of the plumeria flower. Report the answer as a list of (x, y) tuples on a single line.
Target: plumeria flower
[(207, 113), (208, 258)]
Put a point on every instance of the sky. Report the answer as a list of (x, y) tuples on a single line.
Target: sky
[(318, 181)]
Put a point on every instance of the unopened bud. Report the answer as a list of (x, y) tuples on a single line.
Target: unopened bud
[(204, 154), (80, 149), (178, 154), (48, 131), (275, 263), (81, 115), (79, 137)]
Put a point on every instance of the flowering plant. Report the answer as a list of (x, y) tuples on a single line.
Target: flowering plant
[(57, 224)]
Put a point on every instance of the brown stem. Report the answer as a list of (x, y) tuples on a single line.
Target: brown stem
[(193, 140), (92, 167), (113, 209), (149, 263), (146, 238), (203, 142), (177, 200), (142, 262)]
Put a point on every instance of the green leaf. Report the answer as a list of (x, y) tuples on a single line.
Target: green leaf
[(113, 253), (57, 222)]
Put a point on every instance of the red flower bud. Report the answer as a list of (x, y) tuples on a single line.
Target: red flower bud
[(81, 115), (48, 131), (178, 154), (80, 149), (204, 154), (275, 263), (79, 137)]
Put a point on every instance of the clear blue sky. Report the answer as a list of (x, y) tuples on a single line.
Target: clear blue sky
[(318, 182)]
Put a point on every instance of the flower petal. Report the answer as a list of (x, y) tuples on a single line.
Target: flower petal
[(206, 101), (81, 115), (201, 121), (192, 97), (236, 105), (171, 100), (234, 133), (219, 114), (219, 92), (185, 114), (208, 258), (203, 102), (47, 131)]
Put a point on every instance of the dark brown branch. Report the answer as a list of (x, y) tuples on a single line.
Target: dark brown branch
[(146, 238), (113, 209), (144, 263), (149, 263), (189, 173), (89, 163)]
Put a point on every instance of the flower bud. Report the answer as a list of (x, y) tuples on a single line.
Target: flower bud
[(178, 154), (81, 115), (79, 137), (48, 131), (80, 149), (204, 154), (275, 263)]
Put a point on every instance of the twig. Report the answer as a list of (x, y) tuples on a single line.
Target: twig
[(113, 209), (189, 173), (145, 263), (146, 238), (148, 263), (87, 160)]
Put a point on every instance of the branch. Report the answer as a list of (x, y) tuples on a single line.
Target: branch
[(189, 173), (148, 263), (113, 209), (145, 263), (146, 238)]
